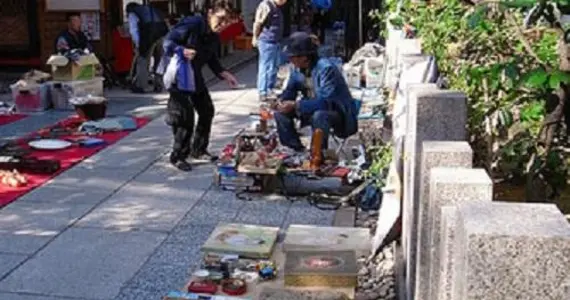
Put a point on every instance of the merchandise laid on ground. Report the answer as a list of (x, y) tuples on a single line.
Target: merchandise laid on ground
[(247, 262), (31, 161), (242, 261)]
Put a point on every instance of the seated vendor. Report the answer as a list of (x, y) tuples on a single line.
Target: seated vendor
[(326, 103), (72, 38)]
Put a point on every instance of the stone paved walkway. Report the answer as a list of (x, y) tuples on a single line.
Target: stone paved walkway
[(124, 224)]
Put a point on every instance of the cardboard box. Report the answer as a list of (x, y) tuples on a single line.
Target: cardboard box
[(64, 69)]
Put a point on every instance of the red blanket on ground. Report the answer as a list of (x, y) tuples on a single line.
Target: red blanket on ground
[(10, 118), (67, 158)]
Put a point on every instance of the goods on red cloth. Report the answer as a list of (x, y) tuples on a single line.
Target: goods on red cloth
[(67, 157), (123, 51), (232, 31), (12, 179), (10, 118)]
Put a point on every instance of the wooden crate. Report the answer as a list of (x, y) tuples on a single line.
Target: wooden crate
[(243, 43)]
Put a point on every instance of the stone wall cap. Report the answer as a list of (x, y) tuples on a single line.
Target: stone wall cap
[(513, 219), (438, 93), (446, 146), (460, 176)]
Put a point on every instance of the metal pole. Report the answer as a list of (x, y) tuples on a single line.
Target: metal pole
[(360, 22)]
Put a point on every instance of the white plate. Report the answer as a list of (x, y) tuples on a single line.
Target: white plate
[(49, 144)]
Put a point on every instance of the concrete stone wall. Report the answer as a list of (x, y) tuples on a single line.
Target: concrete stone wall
[(457, 243)]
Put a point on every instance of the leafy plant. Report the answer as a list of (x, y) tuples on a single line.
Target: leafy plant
[(515, 84)]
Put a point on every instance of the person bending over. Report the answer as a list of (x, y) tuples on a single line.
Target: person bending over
[(196, 38)]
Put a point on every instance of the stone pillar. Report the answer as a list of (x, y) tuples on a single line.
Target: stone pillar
[(432, 116), (434, 154), (448, 186), (442, 286), (507, 251)]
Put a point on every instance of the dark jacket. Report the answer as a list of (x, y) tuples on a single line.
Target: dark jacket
[(194, 33), (152, 26), (273, 27), (73, 41), (330, 93)]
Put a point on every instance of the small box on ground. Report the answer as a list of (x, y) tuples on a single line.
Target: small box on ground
[(243, 43), (30, 97), (62, 91), (320, 238), (227, 178), (336, 269), (64, 69), (251, 241)]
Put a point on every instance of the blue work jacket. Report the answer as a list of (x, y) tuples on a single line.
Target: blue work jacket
[(330, 93)]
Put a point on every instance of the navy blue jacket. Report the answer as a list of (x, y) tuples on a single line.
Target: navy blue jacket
[(331, 93), (194, 33)]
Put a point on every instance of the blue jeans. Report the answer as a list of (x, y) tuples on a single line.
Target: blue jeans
[(270, 57), (322, 119)]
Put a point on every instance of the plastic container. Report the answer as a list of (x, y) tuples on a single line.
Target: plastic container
[(62, 91), (32, 98)]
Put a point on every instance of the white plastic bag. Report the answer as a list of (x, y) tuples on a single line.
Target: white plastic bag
[(179, 71)]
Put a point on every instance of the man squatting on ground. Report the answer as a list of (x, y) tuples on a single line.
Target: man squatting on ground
[(326, 103), (267, 37), (196, 38)]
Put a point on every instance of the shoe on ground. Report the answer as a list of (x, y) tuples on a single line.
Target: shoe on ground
[(204, 157), (183, 166)]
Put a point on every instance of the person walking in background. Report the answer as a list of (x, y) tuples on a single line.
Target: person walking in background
[(194, 40), (147, 28), (267, 37)]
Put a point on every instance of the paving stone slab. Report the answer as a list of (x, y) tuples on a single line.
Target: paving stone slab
[(136, 156), (10, 261), (84, 262), (14, 296), (25, 243), (39, 218), (132, 208), (66, 195), (163, 175)]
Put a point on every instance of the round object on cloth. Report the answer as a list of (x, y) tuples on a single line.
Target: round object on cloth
[(49, 144)]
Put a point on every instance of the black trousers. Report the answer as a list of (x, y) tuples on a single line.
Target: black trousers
[(180, 116)]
